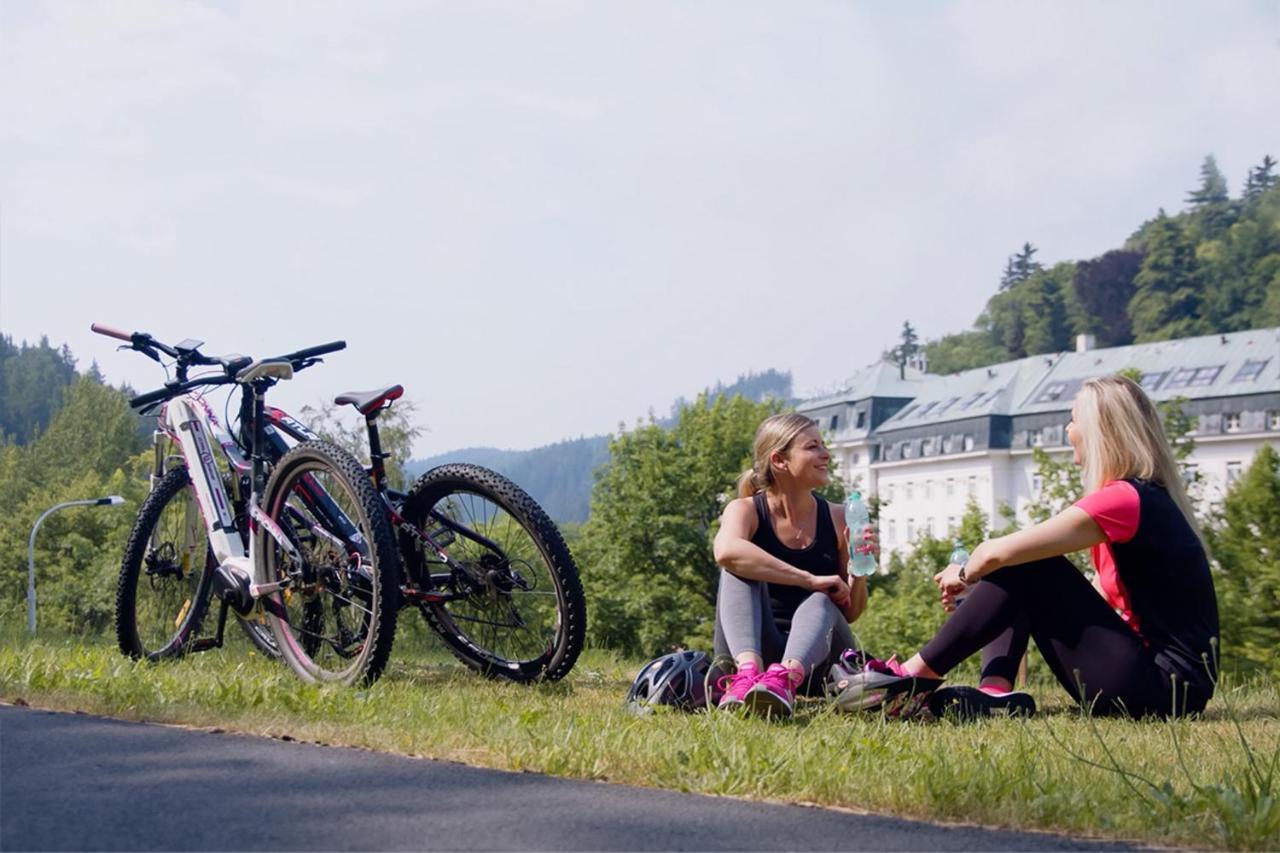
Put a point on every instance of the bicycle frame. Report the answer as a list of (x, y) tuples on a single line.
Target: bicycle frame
[(189, 422)]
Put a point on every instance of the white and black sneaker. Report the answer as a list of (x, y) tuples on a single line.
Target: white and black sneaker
[(858, 683), (971, 703)]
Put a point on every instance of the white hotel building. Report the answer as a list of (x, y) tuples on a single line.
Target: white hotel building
[(924, 443)]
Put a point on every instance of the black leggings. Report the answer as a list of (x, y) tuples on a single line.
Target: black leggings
[(1098, 658)]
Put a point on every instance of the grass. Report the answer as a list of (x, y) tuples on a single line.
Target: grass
[(1209, 783)]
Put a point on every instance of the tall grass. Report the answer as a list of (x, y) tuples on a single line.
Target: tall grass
[(1208, 782)]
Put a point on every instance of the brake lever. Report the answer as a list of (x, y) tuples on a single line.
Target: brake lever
[(145, 350)]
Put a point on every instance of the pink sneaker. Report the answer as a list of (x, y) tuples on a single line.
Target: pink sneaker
[(775, 693), (737, 686)]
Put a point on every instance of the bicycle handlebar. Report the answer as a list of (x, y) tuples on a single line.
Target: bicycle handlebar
[(143, 400), (312, 352), (111, 333), (147, 345)]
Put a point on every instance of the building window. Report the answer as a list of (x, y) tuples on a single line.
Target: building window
[(911, 529), (1185, 377), (928, 526), (835, 422), (968, 443), (1190, 472), (951, 523), (862, 419), (1273, 420), (951, 487), (1037, 438), (888, 492), (1250, 370), (973, 486), (947, 444), (854, 457), (928, 495), (1234, 470), (1151, 381), (1231, 422), (893, 531), (1053, 392), (1037, 486), (910, 489)]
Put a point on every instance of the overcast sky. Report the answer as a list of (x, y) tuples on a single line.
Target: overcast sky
[(547, 218)]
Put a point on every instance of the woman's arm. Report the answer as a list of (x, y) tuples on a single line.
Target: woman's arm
[(737, 554), (1068, 531), (858, 586)]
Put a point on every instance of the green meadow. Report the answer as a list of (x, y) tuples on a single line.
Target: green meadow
[(1205, 783)]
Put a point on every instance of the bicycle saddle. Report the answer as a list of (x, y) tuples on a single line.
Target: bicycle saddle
[(368, 402)]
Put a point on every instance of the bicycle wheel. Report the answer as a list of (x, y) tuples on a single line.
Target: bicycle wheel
[(512, 603), (335, 622), (163, 590)]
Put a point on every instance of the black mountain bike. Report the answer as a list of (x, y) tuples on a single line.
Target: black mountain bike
[(482, 562)]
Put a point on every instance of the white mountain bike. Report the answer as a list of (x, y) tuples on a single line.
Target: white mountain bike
[(306, 558)]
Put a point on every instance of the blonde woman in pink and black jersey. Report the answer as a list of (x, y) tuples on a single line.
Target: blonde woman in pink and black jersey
[(1141, 641)]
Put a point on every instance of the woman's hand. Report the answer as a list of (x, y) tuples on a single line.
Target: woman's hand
[(950, 585), (869, 543), (834, 586)]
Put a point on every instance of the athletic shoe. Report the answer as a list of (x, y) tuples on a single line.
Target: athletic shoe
[(970, 703), (774, 694), (878, 684), (737, 686)]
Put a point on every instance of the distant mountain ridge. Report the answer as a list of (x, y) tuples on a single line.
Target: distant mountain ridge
[(560, 476)]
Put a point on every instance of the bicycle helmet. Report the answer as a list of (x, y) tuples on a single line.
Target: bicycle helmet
[(680, 680)]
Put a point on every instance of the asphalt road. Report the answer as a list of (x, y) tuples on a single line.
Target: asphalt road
[(76, 782)]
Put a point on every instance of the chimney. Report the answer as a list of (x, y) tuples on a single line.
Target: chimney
[(1085, 342)]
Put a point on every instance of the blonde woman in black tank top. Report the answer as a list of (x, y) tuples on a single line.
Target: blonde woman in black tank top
[(785, 600)]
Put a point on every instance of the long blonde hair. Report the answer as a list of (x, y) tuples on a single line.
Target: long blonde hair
[(1122, 437), (774, 435)]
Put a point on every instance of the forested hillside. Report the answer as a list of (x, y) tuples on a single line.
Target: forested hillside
[(1214, 267), (33, 382), (559, 476)]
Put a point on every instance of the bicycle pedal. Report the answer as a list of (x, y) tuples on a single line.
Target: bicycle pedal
[(204, 644)]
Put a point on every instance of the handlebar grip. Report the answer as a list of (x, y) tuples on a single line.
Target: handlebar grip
[(143, 400), (322, 349), (111, 332)]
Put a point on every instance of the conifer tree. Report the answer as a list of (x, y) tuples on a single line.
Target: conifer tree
[(1166, 300), (1247, 549)]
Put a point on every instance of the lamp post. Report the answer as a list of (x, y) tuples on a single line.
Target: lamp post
[(111, 500)]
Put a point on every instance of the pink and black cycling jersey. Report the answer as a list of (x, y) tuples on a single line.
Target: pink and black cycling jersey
[(1154, 571)]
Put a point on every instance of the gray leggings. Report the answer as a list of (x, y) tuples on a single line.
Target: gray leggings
[(744, 623)]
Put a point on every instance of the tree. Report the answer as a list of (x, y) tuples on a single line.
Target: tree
[(1024, 263), (1259, 179), (32, 382), (962, 351), (1044, 309), (1213, 185), (1213, 210), (1166, 300), (1100, 293), (908, 346), (646, 548), (1247, 549)]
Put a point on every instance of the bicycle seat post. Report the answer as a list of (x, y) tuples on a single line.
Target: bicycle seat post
[(377, 465)]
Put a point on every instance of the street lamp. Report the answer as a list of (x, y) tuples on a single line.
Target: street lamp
[(111, 500)]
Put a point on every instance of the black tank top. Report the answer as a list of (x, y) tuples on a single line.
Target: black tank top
[(1166, 572), (822, 557)]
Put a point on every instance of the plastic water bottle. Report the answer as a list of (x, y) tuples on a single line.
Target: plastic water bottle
[(862, 561), (959, 556)]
